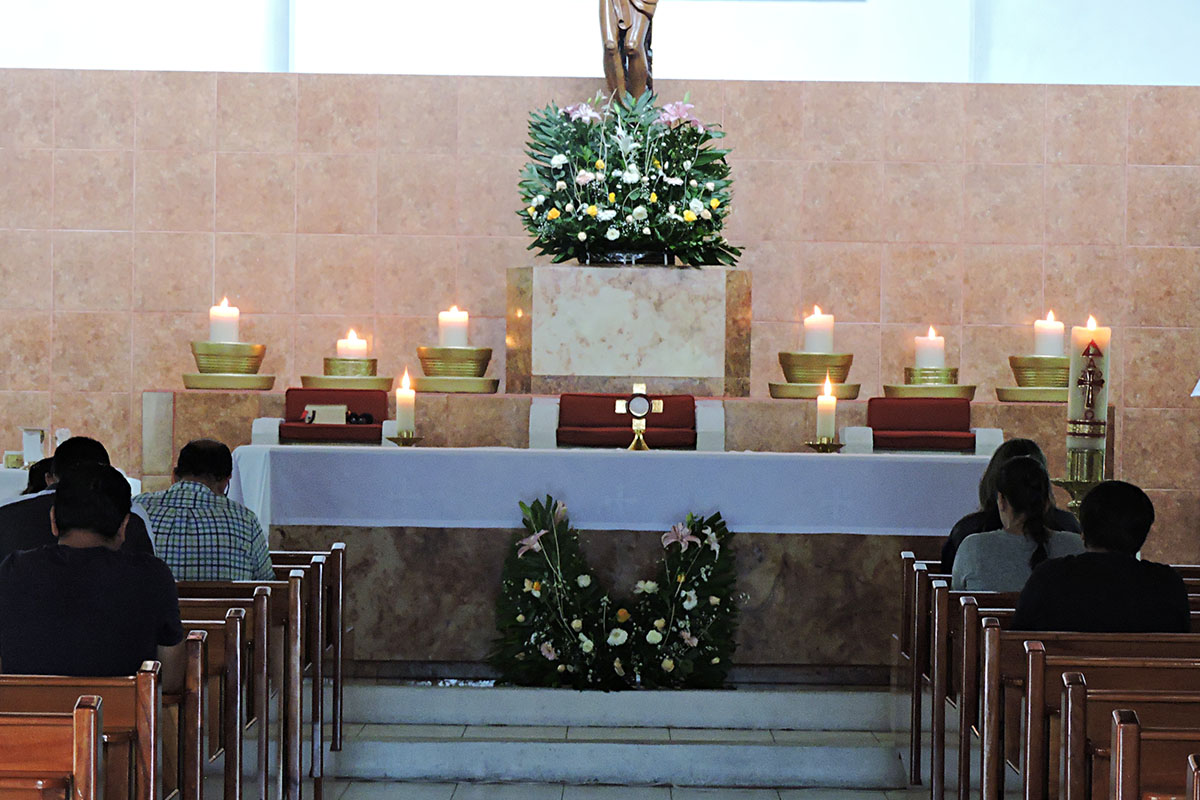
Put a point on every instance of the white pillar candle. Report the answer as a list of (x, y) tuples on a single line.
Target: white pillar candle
[(452, 328), (352, 346), (223, 322), (1090, 379), (818, 332), (931, 351), (826, 412), (1048, 336), (406, 405)]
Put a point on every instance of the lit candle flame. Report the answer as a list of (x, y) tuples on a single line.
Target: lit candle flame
[(1091, 326), (932, 332), (828, 386), (1050, 315), (404, 382), (224, 302), (352, 336), (816, 311), (454, 309)]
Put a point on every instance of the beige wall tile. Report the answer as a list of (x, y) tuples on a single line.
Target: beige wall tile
[(256, 192), (1086, 124), (1085, 204), (1161, 448), (864, 342), (162, 350), (27, 178), (105, 416), (843, 278), (94, 109), (777, 275), (418, 114), (925, 121), (769, 202), (25, 351), (1173, 538), (1005, 123), (93, 270), (256, 112), (174, 191), (416, 275), (1003, 203), (480, 283), (335, 193), (985, 352), (843, 122), (924, 202), (767, 339), (1087, 280), (842, 202), (1164, 125), (922, 284), (22, 410), (493, 113), (1163, 205), (1002, 283), (765, 120), (176, 111), (1161, 367), (25, 270), (316, 340), (338, 113), (93, 189), (257, 271), (27, 108), (418, 194), (90, 352), (278, 333), (487, 197), (399, 338), (1164, 283), (172, 271), (335, 275)]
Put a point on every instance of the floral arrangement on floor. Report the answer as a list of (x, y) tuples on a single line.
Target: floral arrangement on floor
[(559, 627), (626, 176)]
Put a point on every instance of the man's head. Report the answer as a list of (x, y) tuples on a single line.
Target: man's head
[(205, 461), (92, 502), (73, 452), (1116, 516)]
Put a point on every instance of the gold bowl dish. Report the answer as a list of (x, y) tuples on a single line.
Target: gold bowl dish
[(454, 362), (228, 358), (930, 390), (810, 391), (930, 376), (1048, 371), (346, 382), (452, 385), (1031, 394), (351, 366), (211, 380), (812, 367)]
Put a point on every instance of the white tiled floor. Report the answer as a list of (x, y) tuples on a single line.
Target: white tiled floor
[(363, 790)]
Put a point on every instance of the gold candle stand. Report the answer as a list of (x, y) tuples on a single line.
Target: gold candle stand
[(228, 365), (804, 376), (930, 382), (1040, 379), (455, 370), (1085, 469), (348, 373)]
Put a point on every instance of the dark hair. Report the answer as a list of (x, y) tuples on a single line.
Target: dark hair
[(204, 458), (988, 484), (75, 451), (1116, 516), (37, 476), (1025, 484), (92, 497)]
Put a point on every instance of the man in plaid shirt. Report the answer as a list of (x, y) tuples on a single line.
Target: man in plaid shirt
[(198, 531)]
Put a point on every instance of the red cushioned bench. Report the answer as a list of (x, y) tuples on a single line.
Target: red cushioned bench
[(591, 420), (295, 430), (921, 423)]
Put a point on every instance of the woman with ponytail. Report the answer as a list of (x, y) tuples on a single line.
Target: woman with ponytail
[(1002, 560)]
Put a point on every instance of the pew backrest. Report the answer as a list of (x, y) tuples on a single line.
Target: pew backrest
[(1148, 759), (53, 751)]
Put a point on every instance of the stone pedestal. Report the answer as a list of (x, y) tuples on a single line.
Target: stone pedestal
[(599, 329)]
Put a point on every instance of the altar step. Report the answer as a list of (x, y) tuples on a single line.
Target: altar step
[(744, 737)]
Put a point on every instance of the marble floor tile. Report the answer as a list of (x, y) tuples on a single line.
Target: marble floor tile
[(585, 734), (616, 793), (827, 738), (387, 733), (696, 793), (508, 791), (719, 735), (371, 790), (516, 732)]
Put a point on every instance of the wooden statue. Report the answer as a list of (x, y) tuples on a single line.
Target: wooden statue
[(625, 26)]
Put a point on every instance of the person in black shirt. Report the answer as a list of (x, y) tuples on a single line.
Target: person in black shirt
[(987, 518), (1107, 589), (25, 522), (84, 606)]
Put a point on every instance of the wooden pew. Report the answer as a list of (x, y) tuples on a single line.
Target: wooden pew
[(1193, 777), (132, 708), (1004, 676), (1146, 759), (225, 692), (1086, 727), (53, 755), (285, 609), (334, 575)]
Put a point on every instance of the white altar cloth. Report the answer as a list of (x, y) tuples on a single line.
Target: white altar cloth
[(894, 493)]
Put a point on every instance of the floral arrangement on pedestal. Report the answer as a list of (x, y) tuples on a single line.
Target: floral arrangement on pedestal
[(559, 627), (626, 176)]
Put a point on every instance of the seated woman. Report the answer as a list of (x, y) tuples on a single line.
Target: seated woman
[(1002, 560), (987, 518)]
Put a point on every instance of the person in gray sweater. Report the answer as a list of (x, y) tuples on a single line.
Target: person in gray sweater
[(1002, 560)]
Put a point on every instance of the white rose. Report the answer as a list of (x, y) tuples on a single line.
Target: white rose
[(715, 660), (713, 600), (710, 186), (612, 235), (617, 637), (561, 667), (629, 217), (693, 183), (687, 165), (668, 665), (631, 176), (673, 181), (582, 236), (606, 215), (537, 201), (706, 214), (584, 581), (560, 186), (696, 205), (599, 176), (584, 177), (585, 644), (659, 624), (645, 231), (577, 625), (645, 179), (690, 600), (640, 213), (645, 587), (520, 617), (558, 160), (570, 209), (653, 637), (671, 209)]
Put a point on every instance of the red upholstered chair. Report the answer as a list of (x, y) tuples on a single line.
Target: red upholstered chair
[(294, 429), (591, 420), (921, 423)]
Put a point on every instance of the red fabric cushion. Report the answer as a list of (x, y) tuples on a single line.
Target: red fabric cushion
[(924, 440), (918, 414), (357, 401), (599, 411), (656, 438)]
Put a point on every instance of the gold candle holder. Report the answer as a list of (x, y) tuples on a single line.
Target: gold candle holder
[(405, 438), (454, 362), (931, 376), (351, 367), (1085, 469), (825, 444), (228, 358), (1050, 372), (801, 367)]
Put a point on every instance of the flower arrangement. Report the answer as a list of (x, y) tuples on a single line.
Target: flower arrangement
[(626, 176), (558, 627)]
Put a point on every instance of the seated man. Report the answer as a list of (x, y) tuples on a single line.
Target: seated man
[(84, 606), (198, 531), (25, 521), (1107, 589)]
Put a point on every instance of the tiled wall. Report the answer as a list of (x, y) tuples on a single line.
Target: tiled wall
[(130, 201)]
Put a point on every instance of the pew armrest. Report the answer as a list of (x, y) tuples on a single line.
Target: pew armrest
[(543, 423), (710, 425), (858, 439), (987, 440), (265, 430)]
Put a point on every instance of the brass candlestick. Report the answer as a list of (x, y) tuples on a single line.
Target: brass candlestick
[(825, 444), (1085, 469), (342, 372)]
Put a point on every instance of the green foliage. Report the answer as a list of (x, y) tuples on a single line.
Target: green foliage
[(558, 627), (626, 176)]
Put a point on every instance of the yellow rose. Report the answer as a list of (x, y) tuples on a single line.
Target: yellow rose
[(715, 203), (553, 213), (531, 211), (612, 197), (658, 163), (622, 615), (653, 197), (592, 211), (688, 216), (599, 163), (537, 585), (678, 579)]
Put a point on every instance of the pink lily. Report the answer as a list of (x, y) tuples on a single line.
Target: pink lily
[(548, 652), (560, 511), (582, 111), (534, 543), (679, 533), (675, 112)]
